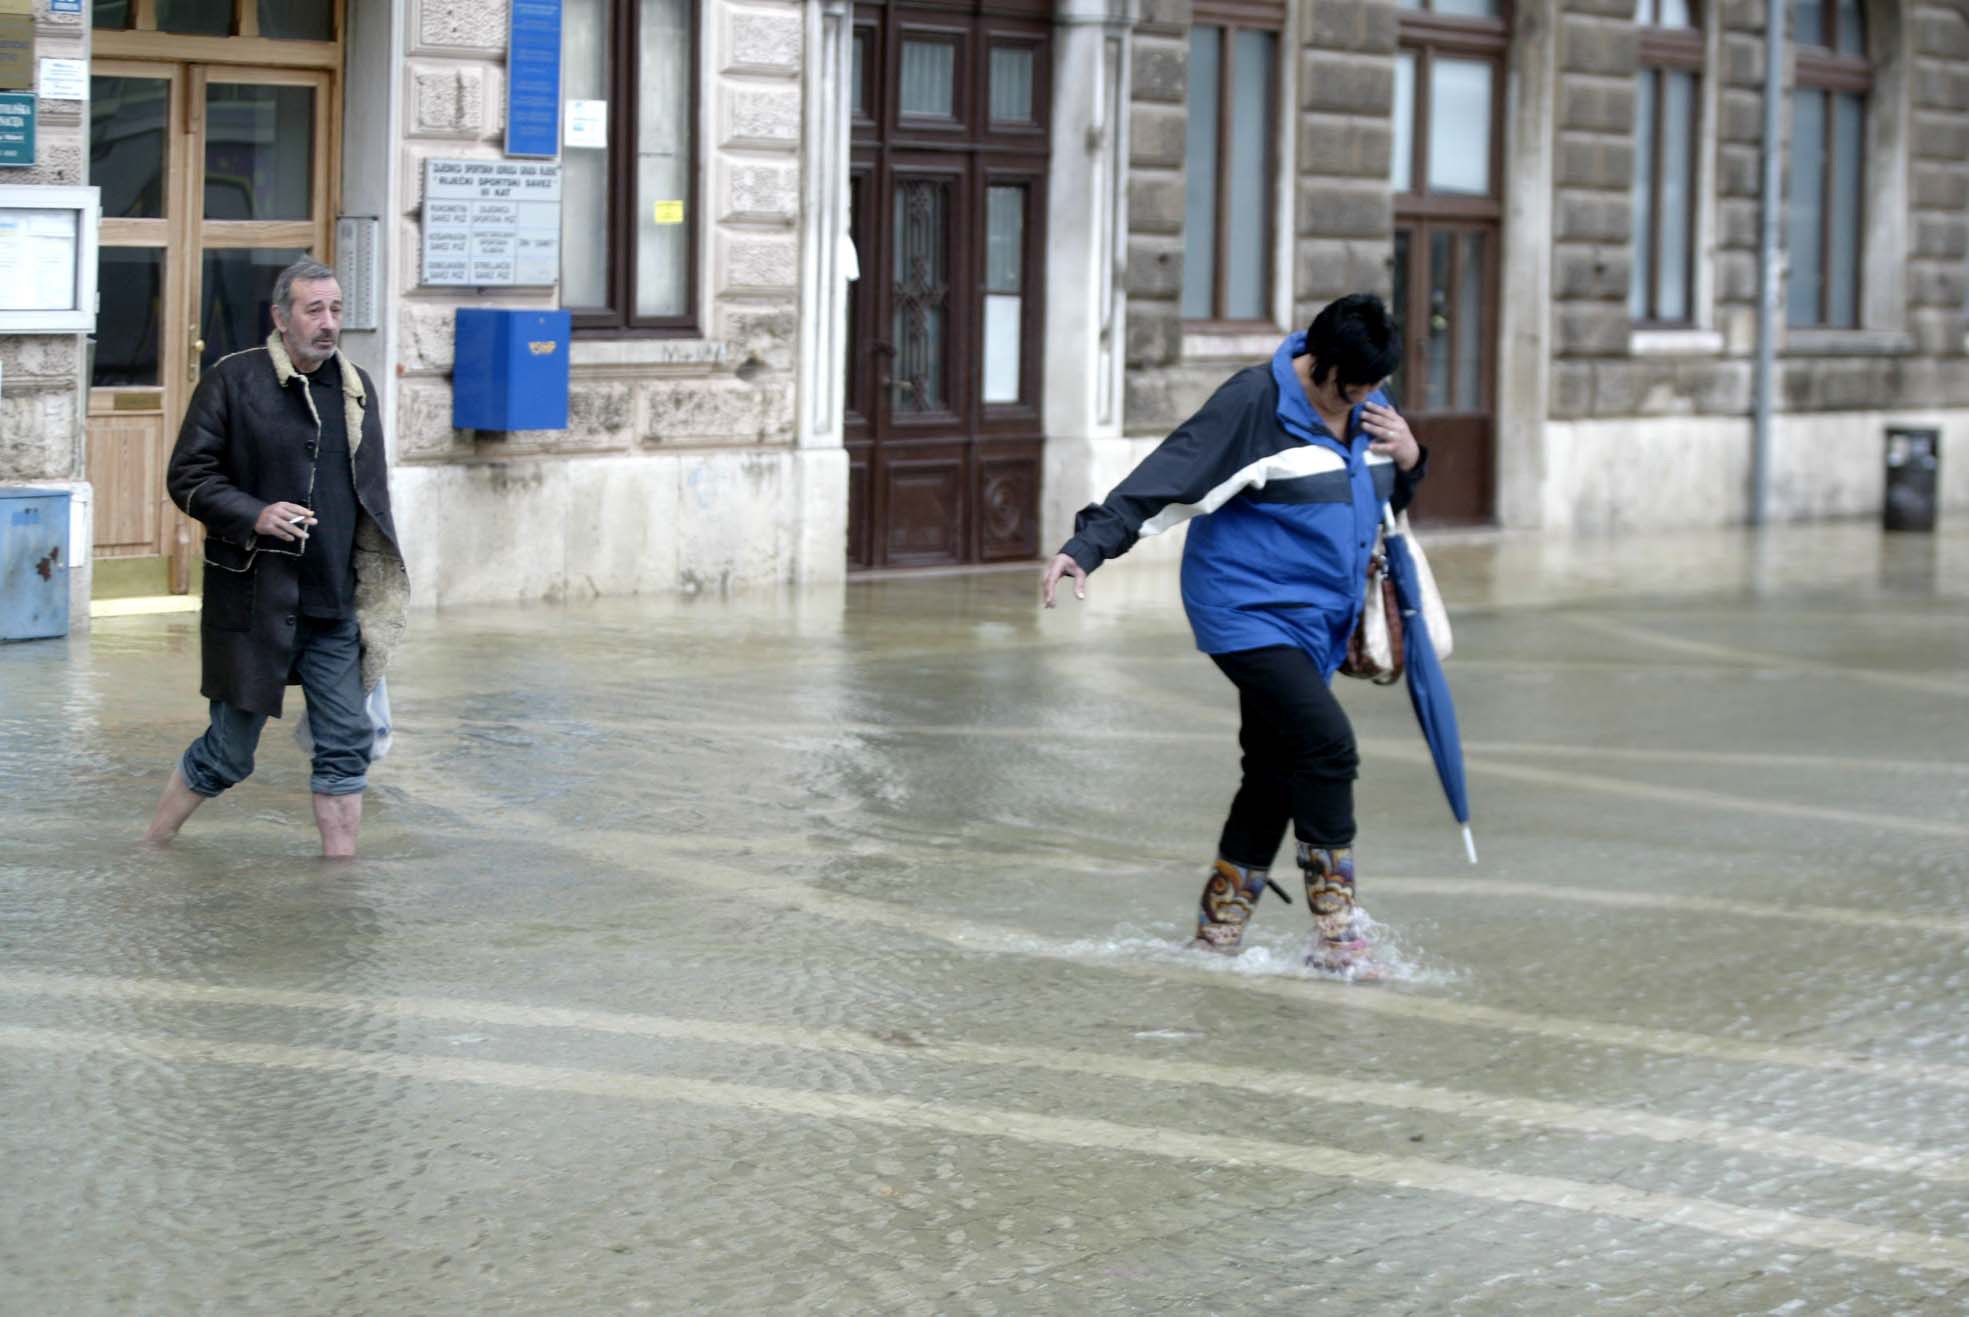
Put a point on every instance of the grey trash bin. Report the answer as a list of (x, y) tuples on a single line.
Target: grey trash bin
[(1913, 459)]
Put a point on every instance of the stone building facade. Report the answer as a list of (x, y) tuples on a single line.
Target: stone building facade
[(952, 268), (41, 395), (1600, 418), (703, 448), (684, 464)]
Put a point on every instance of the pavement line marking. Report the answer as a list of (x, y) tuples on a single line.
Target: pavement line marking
[(1684, 797), (1836, 916), (977, 936), (1765, 659), (1758, 1225), (1719, 758), (1531, 1112), (1473, 762), (610, 847), (1376, 745), (631, 851)]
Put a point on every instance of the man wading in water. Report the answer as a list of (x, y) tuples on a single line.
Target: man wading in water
[(281, 456)]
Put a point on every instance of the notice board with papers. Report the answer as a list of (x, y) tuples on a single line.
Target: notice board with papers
[(491, 223), (48, 258)]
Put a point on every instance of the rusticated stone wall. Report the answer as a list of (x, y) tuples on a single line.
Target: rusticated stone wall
[(40, 400), (678, 468), (1157, 133), (732, 384), (1335, 176), (42, 416)]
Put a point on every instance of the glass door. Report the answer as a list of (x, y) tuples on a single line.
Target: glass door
[(138, 157), (260, 180), (213, 178)]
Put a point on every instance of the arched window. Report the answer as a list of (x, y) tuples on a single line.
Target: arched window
[(1666, 99), (1826, 211)]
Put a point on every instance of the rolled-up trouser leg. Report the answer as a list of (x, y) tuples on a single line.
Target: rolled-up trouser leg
[(223, 757), (329, 663)]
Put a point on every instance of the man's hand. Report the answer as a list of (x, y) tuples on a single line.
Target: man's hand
[(279, 521), (1062, 566), (1392, 437)]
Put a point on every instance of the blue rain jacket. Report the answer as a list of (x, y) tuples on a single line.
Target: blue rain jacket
[(1285, 514)]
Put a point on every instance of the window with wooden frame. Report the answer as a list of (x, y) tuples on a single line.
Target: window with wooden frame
[(272, 20), (1826, 210), (1661, 280), (629, 204), (1232, 162)]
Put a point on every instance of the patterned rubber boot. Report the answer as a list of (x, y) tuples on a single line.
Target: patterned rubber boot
[(1229, 895), (1339, 947)]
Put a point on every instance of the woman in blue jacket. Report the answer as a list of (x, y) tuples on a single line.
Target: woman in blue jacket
[(1285, 470)]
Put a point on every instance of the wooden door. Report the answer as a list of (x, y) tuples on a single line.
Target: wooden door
[(139, 156), (214, 174), (948, 200), (1449, 218), (1446, 296)]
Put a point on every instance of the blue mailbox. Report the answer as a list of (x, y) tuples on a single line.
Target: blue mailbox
[(510, 371), (33, 562)]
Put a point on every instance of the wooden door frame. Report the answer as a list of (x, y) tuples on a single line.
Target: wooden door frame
[(1422, 214), (189, 65), (165, 234), (315, 234), (969, 153)]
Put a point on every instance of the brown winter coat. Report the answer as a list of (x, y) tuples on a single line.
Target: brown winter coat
[(249, 439)]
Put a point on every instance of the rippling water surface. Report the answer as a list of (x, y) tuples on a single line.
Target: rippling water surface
[(824, 953)]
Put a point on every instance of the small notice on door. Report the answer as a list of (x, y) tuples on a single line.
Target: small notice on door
[(669, 212)]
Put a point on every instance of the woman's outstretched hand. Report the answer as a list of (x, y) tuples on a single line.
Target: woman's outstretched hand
[(1062, 565)]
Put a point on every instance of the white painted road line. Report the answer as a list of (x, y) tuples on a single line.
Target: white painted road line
[(1758, 1225)]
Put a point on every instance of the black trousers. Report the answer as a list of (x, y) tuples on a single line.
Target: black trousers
[(1299, 757)]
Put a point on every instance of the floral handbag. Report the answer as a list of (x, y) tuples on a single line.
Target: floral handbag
[(1374, 651)]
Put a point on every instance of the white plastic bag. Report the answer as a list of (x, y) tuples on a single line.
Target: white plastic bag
[(378, 705)]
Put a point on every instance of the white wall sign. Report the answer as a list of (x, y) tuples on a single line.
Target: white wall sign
[(491, 223), (587, 125), (64, 79), (48, 258), (37, 260)]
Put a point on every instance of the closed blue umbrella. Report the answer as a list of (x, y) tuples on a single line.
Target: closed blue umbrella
[(1428, 688)]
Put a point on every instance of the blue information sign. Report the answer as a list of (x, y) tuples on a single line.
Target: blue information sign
[(64, 6), (16, 129), (533, 79)]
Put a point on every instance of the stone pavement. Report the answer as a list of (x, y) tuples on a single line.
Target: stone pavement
[(820, 952)]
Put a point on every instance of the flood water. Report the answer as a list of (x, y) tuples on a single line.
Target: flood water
[(821, 952)]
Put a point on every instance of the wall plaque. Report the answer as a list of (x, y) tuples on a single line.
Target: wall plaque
[(17, 129), (491, 223)]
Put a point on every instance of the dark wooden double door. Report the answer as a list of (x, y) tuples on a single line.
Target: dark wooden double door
[(948, 189)]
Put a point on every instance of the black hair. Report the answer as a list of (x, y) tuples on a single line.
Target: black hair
[(1356, 337)]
